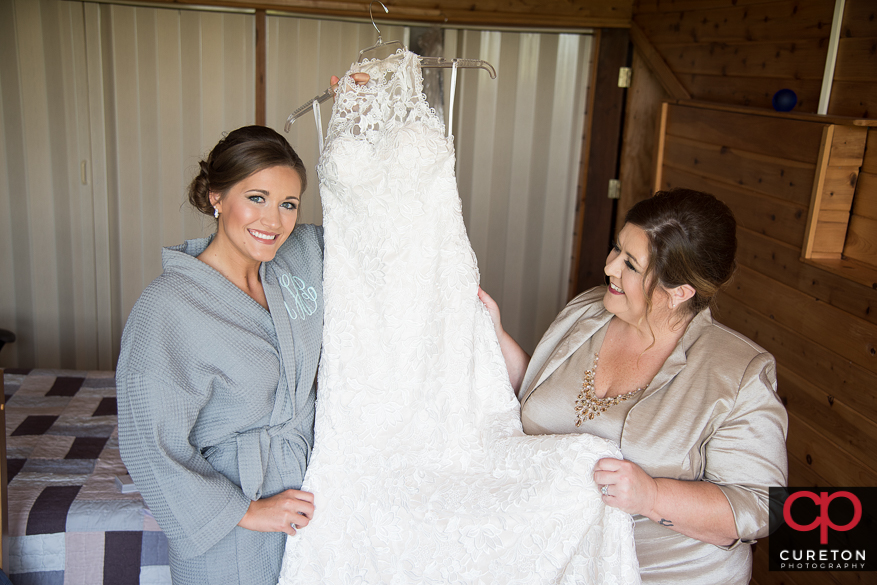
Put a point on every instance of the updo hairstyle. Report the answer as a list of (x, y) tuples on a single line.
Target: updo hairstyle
[(241, 153), (692, 240)]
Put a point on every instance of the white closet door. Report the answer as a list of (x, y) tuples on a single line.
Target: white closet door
[(104, 113), (47, 252)]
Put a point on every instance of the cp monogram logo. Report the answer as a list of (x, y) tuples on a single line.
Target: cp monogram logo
[(823, 521)]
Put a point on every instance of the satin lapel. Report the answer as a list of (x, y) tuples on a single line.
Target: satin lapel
[(674, 364), (577, 335)]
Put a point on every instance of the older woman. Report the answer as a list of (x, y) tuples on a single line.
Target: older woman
[(691, 403)]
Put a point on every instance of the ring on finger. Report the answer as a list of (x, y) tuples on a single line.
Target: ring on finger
[(604, 490)]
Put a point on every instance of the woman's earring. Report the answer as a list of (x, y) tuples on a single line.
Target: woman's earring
[(215, 213)]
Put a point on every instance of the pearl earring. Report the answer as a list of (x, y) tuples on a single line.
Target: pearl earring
[(215, 213)]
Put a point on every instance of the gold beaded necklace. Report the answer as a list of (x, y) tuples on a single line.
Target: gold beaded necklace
[(587, 405)]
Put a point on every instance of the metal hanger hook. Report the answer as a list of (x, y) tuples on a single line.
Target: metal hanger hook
[(373, 18)]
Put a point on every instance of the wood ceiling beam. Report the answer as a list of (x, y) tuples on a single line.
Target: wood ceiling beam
[(513, 13)]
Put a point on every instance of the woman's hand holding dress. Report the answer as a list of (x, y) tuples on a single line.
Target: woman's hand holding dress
[(516, 359), (359, 78), (283, 512), (698, 509)]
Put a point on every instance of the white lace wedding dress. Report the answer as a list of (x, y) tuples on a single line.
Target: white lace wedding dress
[(420, 471)]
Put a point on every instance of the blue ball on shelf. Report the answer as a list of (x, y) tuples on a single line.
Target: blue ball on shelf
[(784, 100)]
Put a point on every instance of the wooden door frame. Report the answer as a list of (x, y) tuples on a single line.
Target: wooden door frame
[(594, 221)]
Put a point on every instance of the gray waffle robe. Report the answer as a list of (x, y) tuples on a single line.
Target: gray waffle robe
[(216, 403)]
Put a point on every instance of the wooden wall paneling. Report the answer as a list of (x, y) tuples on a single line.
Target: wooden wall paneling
[(839, 188), (657, 64), (810, 243), (651, 6), (752, 91), (801, 59), (853, 338), (839, 185), (802, 475), (662, 142), (844, 426), (865, 202), (848, 147), (857, 59), (859, 18), (594, 212), (784, 179), (861, 242), (775, 218), (818, 364), (869, 162), (837, 171), (261, 65), (753, 133), (830, 236), (854, 91), (853, 98), (639, 150), (572, 13), (584, 168), (861, 239), (780, 261), (771, 21), (809, 444)]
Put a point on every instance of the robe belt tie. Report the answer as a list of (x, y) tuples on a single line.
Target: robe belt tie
[(254, 451)]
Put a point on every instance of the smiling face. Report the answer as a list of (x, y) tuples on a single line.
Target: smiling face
[(625, 266), (257, 214)]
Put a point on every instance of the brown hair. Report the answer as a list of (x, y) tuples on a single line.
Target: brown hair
[(692, 240), (238, 155)]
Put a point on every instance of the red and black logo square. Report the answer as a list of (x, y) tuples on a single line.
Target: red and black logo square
[(823, 529)]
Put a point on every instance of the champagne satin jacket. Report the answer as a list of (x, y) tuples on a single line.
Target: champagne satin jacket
[(711, 413)]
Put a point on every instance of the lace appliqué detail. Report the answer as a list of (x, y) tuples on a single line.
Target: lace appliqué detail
[(421, 472), (392, 98)]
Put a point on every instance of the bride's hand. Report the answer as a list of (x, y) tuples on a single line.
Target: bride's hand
[(283, 512), (359, 78)]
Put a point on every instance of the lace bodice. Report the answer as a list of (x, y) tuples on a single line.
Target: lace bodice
[(392, 99), (420, 470)]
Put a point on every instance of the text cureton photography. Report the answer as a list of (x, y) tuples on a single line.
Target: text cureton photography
[(823, 529)]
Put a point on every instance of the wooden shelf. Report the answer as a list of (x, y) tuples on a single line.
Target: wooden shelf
[(822, 119), (848, 268)]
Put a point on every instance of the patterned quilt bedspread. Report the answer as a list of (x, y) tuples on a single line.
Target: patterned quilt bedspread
[(69, 523)]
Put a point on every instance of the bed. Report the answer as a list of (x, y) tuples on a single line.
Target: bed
[(68, 520)]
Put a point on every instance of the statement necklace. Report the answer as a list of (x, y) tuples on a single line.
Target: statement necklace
[(588, 405)]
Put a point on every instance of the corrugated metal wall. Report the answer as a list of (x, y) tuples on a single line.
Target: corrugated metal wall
[(105, 111)]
